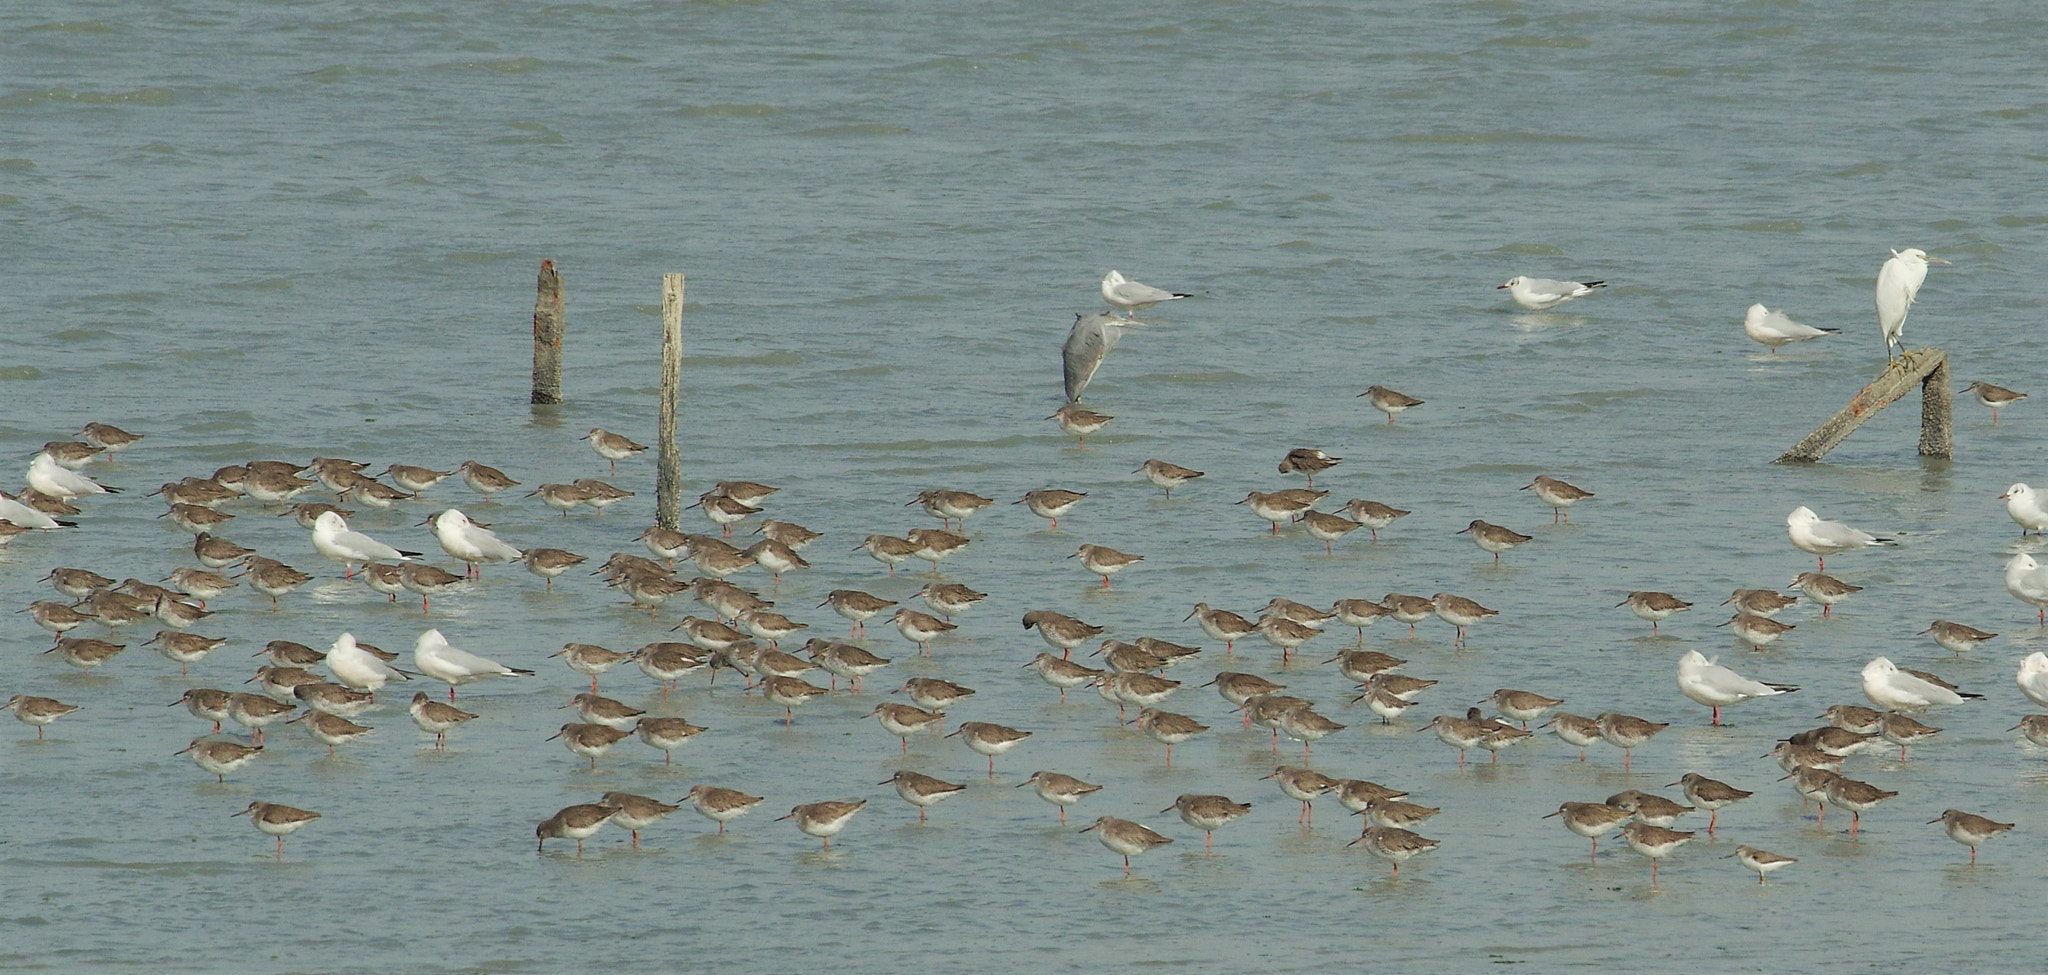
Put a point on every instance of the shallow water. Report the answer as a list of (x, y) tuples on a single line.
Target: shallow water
[(295, 230)]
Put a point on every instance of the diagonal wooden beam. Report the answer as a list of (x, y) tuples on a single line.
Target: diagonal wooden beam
[(1926, 368)]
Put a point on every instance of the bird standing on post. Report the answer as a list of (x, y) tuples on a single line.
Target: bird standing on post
[(1898, 281)]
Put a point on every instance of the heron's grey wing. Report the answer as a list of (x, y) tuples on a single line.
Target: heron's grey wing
[(1087, 345)]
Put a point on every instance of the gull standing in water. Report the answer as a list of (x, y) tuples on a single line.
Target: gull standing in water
[(468, 542), (1775, 329), (434, 657), (1898, 283), (1706, 682), (1824, 538), (1129, 296), (333, 539), (1543, 294), (2028, 583)]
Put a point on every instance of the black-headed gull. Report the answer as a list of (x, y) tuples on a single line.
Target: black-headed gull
[(1543, 294), (1894, 689), (1706, 682), (1824, 538), (1130, 296), (1776, 329)]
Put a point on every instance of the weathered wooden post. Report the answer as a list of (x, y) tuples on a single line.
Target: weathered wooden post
[(668, 480), (547, 336), (1925, 367)]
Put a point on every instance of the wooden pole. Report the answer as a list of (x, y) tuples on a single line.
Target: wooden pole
[(548, 313), (668, 481), (1926, 368)]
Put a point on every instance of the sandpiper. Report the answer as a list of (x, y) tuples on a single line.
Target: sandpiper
[(1756, 631), (776, 557), (1390, 402), (634, 813), (280, 682), (589, 740), (1902, 731), (1969, 829), (597, 709), (1060, 631), (1648, 807), (484, 480), (1079, 422), (1358, 613), (788, 533), (1059, 789), (1279, 506), (920, 628), (41, 711), (1167, 476), (2034, 727), (1591, 820), (1372, 514), (933, 694), (1387, 811), (108, 437), (1761, 861), (331, 698), (1239, 688), (1285, 634), (824, 819), (196, 519), (1125, 837), (1575, 730), (548, 563), (1710, 795), (200, 584), (1493, 538), (600, 495), (255, 711), (215, 552), (720, 805), (1302, 785), (667, 734), (1208, 814), (1523, 706), (86, 654), (185, 648), (902, 720), (1358, 795), (435, 718), (1306, 726), (789, 692), (1995, 397), (611, 446), (1956, 637), (1558, 495), (922, 790), (1626, 732), (1327, 529), (579, 822), (935, 545), (1170, 729), (1051, 503), (278, 819), (1856, 797), (220, 757), (1104, 561), (989, 739), (1760, 602), (950, 506), (1063, 673), (285, 653), (77, 583), (1654, 842), (857, 606), (1825, 590), (1309, 461), (1655, 607), (889, 550), (591, 660), (1221, 624), (1459, 612), (1391, 843), (425, 581), (330, 730)]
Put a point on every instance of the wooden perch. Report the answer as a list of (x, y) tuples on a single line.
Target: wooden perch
[(1924, 367)]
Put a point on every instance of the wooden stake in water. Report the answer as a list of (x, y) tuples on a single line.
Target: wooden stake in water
[(547, 336), (668, 481), (1926, 368)]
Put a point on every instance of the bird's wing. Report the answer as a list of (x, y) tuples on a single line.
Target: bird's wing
[(1087, 345), (1136, 293)]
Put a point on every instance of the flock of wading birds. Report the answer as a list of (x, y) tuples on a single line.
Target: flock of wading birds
[(1131, 675)]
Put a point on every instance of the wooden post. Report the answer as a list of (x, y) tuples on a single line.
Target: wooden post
[(1926, 368), (547, 336), (668, 480)]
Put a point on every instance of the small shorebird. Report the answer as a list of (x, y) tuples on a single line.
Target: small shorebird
[(1394, 845), (579, 822), (920, 628), (196, 519), (185, 648), (86, 654), (776, 557), (41, 711), (1309, 461), (1591, 820), (1170, 729), (1626, 732), (1167, 476), (485, 480), (1760, 602), (1124, 837), (425, 581), (1059, 789), (1358, 795), (589, 740), (789, 692), (274, 579), (1408, 609), (667, 734), (1286, 634), (903, 720), (788, 533), (330, 730), (278, 819), (215, 552), (1327, 529), (1060, 631), (331, 698), (591, 660), (1710, 795), (1849, 717), (611, 446), (220, 757), (2034, 727), (1221, 624), (1969, 829), (824, 819), (254, 712), (1706, 682), (1384, 811), (1372, 514), (108, 437), (1523, 706), (1459, 612), (548, 563), (949, 599), (1105, 561), (1239, 688), (1079, 421), (1649, 807), (1575, 731), (1956, 637), (1558, 495), (200, 584), (414, 479), (855, 605), (1306, 726), (1903, 731), (1359, 613), (1997, 398), (845, 660), (1279, 506), (435, 718), (596, 709), (725, 512), (1208, 814), (1051, 503), (934, 544), (1063, 673), (1856, 797), (1654, 842), (1390, 402), (989, 739), (950, 506), (1302, 785), (889, 550), (1493, 538), (600, 495), (933, 694), (1761, 861), (1825, 590), (721, 805), (922, 790), (1757, 631), (634, 813), (1656, 607)]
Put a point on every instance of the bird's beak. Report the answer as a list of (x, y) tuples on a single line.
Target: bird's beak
[(1935, 260), (245, 812), (1089, 828), (1555, 814), (1500, 287)]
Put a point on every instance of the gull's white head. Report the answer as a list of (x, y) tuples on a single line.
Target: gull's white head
[(1801, 515), (1879, 667), (2036, 663), (430, 638), (1513, 283), (1113, 277), (1755, 315), (330, 523), (2016, 491), (452, 518), (1693, 660), (344, 643), (2021, 564)]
